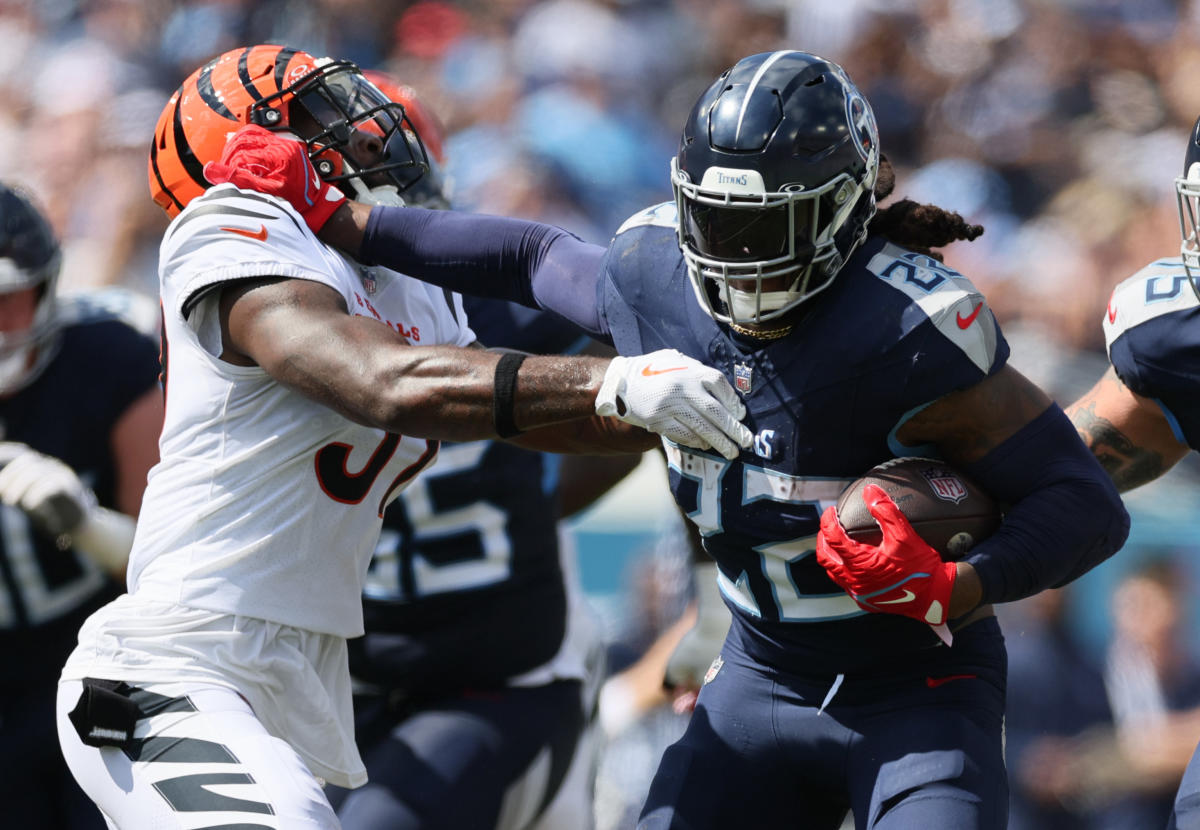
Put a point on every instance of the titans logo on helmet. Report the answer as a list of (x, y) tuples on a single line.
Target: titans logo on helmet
[(862, 120)]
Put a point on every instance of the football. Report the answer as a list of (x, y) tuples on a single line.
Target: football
[(946, 508)]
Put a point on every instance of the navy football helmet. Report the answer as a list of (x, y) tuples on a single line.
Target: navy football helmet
[(774, 180), (29, 258), (1187, 195)]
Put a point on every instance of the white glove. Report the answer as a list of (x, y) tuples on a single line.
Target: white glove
[(46, 489), (702, 644), (680, 398), (60, 505)]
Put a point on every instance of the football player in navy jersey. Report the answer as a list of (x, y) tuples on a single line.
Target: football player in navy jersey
[(1143, 415), (851, 343), (80, 411), (478, 671)]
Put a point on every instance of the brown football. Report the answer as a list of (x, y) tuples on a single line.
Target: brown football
[(946, 508)]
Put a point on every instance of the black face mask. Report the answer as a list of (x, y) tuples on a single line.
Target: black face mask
[(349, 116)]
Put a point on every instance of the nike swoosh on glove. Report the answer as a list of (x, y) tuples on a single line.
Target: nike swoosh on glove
[(901, 575), (678, 397), (258, 159)]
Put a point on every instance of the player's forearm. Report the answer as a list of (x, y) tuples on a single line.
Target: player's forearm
[(537, 265), (448, 394), (1128, 433), (594, 436), (1065, 516)]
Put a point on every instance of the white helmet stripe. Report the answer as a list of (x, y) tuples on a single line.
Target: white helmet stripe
[(754, 82)]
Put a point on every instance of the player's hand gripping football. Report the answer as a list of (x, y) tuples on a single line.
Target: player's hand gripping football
[(680, 398), (900, 575), (258, 159)]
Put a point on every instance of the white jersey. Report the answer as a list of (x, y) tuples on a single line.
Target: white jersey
[(265, 503)]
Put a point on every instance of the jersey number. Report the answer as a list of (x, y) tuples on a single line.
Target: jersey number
[(39, 597), (400, 571), (350, 488), (718, 482)]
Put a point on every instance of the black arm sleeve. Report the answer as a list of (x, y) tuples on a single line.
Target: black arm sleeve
[(1065, 517), (531, 263)]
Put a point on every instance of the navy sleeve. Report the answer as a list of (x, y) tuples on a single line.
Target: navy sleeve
[(531, 263), (1064, 517), (1160, 360)]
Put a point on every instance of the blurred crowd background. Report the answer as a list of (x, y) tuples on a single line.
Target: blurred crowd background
[(1057, 124)]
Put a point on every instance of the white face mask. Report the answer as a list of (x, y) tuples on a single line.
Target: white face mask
[(744, 304), (385, 194)]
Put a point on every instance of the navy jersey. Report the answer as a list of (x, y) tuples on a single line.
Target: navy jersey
[(1152, 327), (894, 332), (103, 364), (466, 586)]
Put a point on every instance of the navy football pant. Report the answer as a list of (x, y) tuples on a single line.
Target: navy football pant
[(36, 788), (458, 762), (918, 747)]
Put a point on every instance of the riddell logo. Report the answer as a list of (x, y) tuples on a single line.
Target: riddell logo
[(741, 181), (296, 73)]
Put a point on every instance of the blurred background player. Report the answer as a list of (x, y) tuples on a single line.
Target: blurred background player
[(772, 249), (480, 666), (1052, 699), (306, 390), (1143, 416), (80, 413)]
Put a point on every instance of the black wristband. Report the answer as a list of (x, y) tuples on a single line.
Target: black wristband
[(505, 392)]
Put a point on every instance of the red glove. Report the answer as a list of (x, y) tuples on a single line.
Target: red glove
[(900, 575), (257, 159)]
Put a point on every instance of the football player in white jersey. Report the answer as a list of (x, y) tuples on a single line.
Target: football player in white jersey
[(304, 389)]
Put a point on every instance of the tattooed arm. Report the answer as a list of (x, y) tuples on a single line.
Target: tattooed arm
[(1128, 433)]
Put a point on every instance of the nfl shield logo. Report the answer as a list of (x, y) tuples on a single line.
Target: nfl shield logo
[(742, 375), (711, 674), (945, 484)]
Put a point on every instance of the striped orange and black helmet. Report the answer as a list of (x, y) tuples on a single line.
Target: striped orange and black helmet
[(355, 134), (242, 86)]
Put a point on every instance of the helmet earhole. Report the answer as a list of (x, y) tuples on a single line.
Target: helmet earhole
[(324, 167)]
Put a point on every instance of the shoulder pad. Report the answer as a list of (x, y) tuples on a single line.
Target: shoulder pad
[(1159, 288), (230, 206), (660, 215), (950, 301), (129, 307), (229, 234)]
